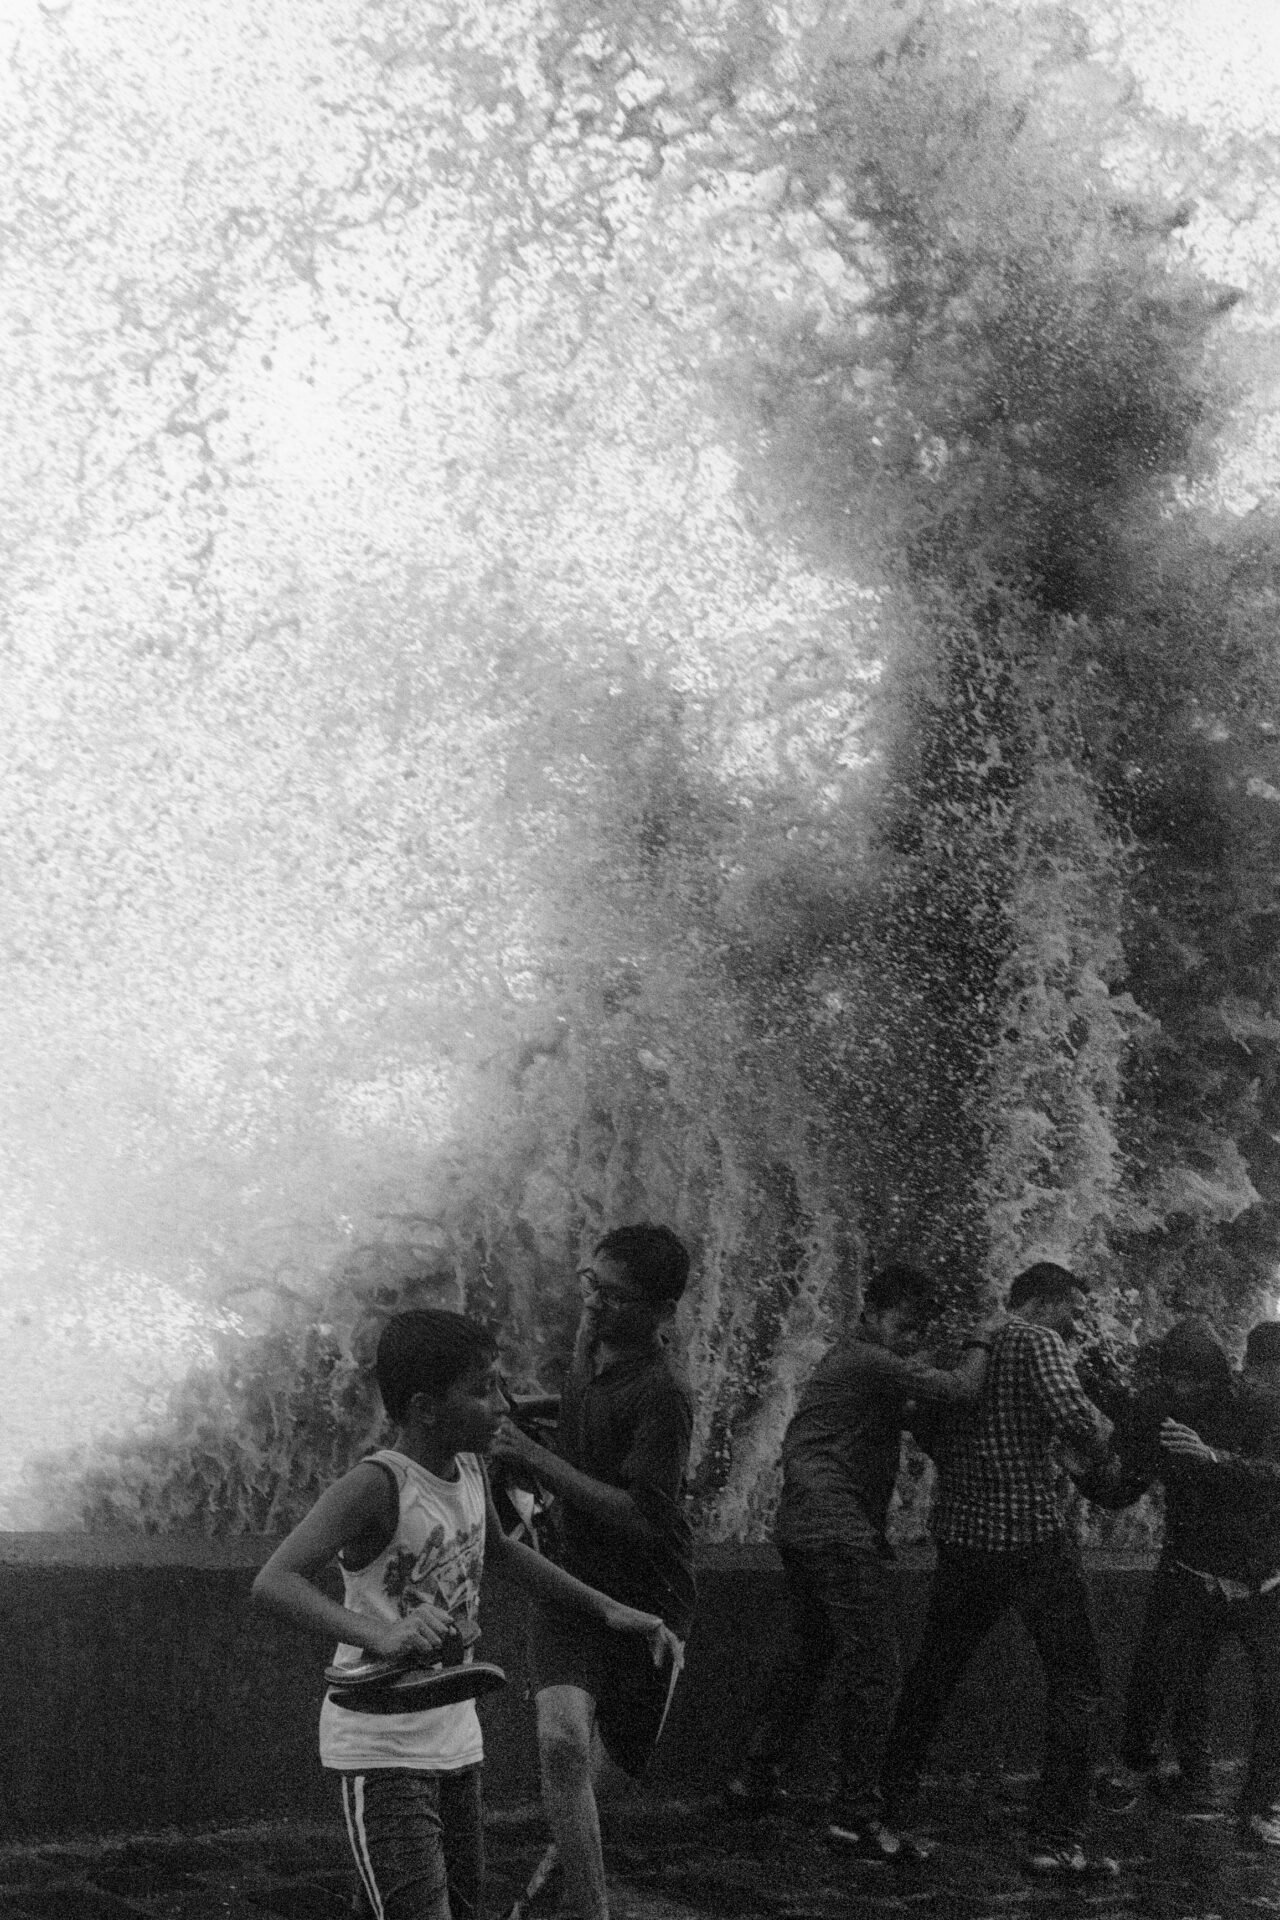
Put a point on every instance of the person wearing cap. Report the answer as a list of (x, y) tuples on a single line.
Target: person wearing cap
[(1214, 1444), (616, 1471)]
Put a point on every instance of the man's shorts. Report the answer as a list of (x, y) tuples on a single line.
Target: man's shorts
[(616, 1669)]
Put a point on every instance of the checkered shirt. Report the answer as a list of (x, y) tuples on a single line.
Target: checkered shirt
[(997, 1470)]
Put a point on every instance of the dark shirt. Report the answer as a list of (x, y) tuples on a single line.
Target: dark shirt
[(998, 1473), (840, 1453), (630, 1427), (1221, 1516)]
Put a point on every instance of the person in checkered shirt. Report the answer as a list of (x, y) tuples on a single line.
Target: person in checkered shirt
[(1004, 1542)]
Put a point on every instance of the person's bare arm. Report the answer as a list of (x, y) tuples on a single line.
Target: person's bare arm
[(546, 1581), (360, 1504)]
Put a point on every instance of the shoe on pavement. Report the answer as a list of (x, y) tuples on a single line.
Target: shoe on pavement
[(1263, 1828), (757, 1789), (873, 1841), (1118, 1791), (912, 1852), (1048, 1862)]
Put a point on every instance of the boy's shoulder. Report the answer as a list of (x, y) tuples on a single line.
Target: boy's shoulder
[(669, 1374), (406, 1472), (859, 1359), (1027, 1337), (656, 1383)]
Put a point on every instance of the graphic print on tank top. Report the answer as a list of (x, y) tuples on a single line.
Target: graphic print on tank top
[(444, 1570)]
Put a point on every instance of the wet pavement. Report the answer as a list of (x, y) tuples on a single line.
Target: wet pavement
[(675, 1862)]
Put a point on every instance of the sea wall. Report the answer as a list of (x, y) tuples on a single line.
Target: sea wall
[(141, 1688)]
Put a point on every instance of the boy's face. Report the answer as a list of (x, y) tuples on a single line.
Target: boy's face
[(614, 1311), (471, 1409), (897, 1327), (1062, 1316)]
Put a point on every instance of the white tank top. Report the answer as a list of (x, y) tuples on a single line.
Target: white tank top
[(436, 1555)]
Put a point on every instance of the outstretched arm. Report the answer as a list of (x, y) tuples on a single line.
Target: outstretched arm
[(546, 1581), (1248, 1471), (962, 1383)]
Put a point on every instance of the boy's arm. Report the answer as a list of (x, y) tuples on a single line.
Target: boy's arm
[(355, 1508), (653, 1470), (1130, 1465), (962, 1383), (613, 1506), (1251, 1472), (1113, 1482), (1080, 1426), (546, 1581)]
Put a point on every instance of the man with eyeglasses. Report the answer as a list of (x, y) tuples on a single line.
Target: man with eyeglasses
[(617, 1472)]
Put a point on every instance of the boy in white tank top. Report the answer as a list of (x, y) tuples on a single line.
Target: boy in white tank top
[(409, 1527)]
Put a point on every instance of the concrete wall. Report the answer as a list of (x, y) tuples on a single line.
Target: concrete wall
[(140, 1689)]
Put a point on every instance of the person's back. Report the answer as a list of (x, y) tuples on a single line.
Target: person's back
[(841, 1449), (999, 1476)]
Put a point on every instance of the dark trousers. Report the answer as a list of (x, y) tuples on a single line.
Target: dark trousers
[(418, 1841), (1045, 1586), (1185, 1624), (841, 1618)]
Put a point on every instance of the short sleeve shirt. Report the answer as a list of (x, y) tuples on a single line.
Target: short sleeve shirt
[(841, 1451), (631, 1427)]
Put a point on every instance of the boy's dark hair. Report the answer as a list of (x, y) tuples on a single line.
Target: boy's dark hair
[(425, 1351), (1193, 1349), (896, 1285), (1262, 1347), (657, 1263), (1043, 1281)]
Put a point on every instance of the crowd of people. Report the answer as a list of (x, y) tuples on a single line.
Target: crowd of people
[(1010, 1429)]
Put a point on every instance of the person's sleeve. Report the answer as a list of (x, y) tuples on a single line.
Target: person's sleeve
[(1247, 1474), (935, 1425), (654, 1468), (1069, 1409), (1253, 1469), (851, 1370), (1131, 1466)]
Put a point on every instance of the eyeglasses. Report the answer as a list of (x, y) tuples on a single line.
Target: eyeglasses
[(590, 1283)]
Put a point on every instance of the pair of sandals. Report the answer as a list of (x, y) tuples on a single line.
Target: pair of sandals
[(400, 1686)]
